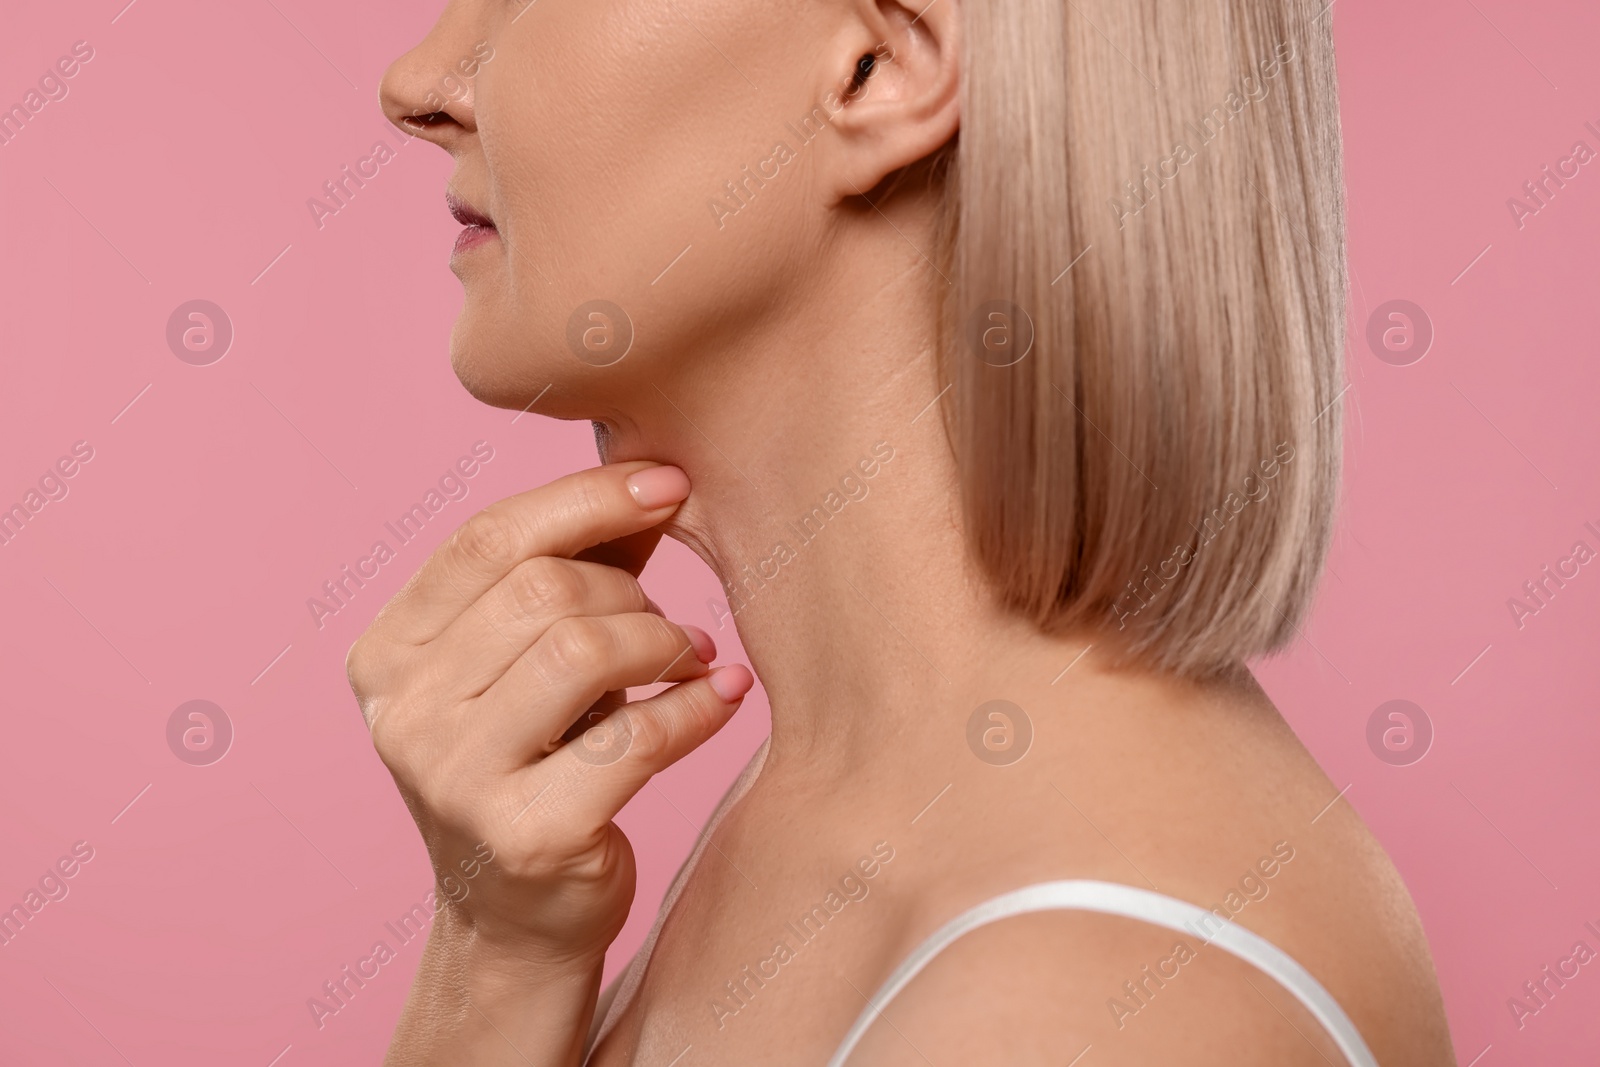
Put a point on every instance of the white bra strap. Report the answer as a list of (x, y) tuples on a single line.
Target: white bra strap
[(1133, 903)]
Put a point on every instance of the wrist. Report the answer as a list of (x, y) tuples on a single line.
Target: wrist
[(475, 994), (488, 956)]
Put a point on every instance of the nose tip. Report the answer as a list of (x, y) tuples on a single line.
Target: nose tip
[(403, 95), (427, 92)]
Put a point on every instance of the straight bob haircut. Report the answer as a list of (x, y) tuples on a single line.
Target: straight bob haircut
[(1143, 231)]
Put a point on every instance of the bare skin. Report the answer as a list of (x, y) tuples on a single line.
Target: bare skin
[(1226, 783), (787, 348)]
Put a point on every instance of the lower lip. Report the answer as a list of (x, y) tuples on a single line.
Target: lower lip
[(473, 236)]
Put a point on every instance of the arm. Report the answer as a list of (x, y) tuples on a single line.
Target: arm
[(477, 1003)]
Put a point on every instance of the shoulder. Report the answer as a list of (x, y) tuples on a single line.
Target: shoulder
[(1221, 809), (1047, 986), (1102, 991)]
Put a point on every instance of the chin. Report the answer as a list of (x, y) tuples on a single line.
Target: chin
[(499, 364), (493, 366)]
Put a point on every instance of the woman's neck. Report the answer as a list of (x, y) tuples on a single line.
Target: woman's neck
[(825, 498)]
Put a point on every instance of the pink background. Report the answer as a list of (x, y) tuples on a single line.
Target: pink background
[(179, 564)]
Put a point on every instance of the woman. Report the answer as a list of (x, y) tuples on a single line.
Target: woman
[(988, 351)]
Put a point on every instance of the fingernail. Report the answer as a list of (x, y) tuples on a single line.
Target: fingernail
[(656, 487), (731, 683), (705, 649)]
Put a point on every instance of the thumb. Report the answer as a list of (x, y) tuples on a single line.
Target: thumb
[(645, 737)]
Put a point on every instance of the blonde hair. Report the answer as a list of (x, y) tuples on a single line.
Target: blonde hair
[(1110, 473)]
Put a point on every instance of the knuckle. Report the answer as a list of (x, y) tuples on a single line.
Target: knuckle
[(673, 722), (672, 642), (576, 644), (632, 593), (650, 733), (360, 664), (702, 710), (546, 586), (395, 744), (670, 634), (488, 538)]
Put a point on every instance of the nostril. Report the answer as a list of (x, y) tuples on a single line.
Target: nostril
[(428, 121)]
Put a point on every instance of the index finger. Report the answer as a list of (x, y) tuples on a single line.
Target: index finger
[(564, 518)]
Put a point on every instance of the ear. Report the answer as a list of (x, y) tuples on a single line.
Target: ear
[(909, 105)]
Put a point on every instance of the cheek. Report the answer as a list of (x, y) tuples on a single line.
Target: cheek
[(605, 142), (601, 173)]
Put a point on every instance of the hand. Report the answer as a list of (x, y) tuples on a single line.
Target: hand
[(494, 687)]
